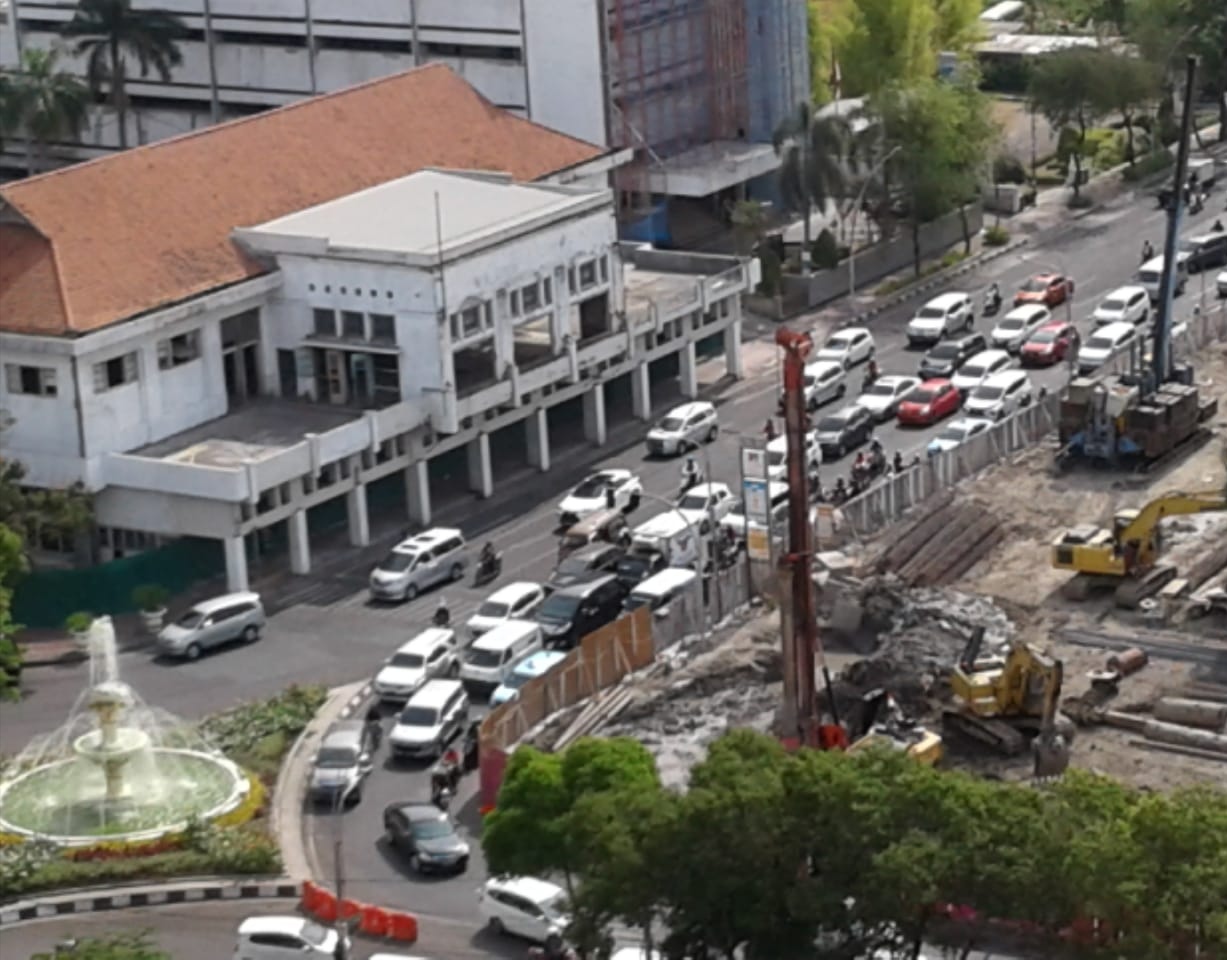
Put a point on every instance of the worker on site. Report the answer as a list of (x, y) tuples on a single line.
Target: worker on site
[(769, 430)]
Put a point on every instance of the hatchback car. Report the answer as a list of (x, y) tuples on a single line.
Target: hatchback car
[(957, 433), (523, 906), (1104, 344), (843, 431), (941, 317), (1050, 344), (435, 652), (516, 601), (706, 500), (1047, 289), (210, 623), (286, 938), (932, 401), (882, 397), (944, 359), (616, 488), (824, 381), (683, 428), (419, 563), (982, 365), (847, 347), (999, 396), (585, 564), (1125, 304), (1012, 330), (427, 836)]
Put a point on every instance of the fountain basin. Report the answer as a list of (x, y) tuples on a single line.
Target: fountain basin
[(65, 801)]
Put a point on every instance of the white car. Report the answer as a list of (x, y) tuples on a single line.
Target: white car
[(824, 381), (1221, 282), (883, 396), (592, 494), (777, 456), (516, 601), (849, 346), (432, 653), (958, 432), (706, 500), (285, 938), (940, 317), (523, 906), (984, 364), (1123, 305), (684, 428), (1104, 344), (777, 506), (999, 396), (1012, 330)]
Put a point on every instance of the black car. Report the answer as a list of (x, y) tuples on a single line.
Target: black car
[(427, 835), (584, 564), (570, 614), (1204, 252), (944, 359), (843, 431), (636, 567)]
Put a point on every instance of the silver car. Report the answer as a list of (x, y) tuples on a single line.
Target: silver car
[(684, 428), (210, 623), (419, 563)]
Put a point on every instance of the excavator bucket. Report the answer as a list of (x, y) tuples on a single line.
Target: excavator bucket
[(1051, 754)]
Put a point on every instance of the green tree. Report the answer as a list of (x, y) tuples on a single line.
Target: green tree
[(1128, 85), (36, 514), (828, 24), (12, 566), (110, 32), (116, 946), (812, 174), (973, 141), (889, 42), (958, 25), (1066, 89), (46, 103)]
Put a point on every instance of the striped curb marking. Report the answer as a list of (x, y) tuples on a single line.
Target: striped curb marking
[(25, 911), (356, 701)]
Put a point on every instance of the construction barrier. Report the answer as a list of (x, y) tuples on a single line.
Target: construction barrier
[(310, 901), (349, 909), (373, 921), (320, 904), (403, 927), (325, 907)]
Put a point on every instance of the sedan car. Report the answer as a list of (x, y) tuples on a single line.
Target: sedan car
[(1130, 304), (849, 346), (593, 493), (427, 835), (1000, 395), (516, 601), (684, 428), (1048, 289), (982, 365), (287, 938), (843, 431), (958, 432), (706, 500), (883, 396), (943, 360), (1012, 330), (932, 401), (1050, 344), (584, 564)]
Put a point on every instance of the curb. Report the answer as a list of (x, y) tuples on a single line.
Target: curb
[(356, 701), (200, 891)]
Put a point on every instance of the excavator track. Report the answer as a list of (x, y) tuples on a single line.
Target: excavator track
[(997, 734), (1132, 592)]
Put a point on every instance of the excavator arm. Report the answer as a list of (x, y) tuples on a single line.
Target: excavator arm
[(1142, 527)]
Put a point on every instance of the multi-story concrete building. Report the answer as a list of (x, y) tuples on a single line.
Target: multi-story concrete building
[(694, 87), (216, 341)]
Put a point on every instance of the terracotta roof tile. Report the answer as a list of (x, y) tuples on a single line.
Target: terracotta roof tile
[(149, 227)]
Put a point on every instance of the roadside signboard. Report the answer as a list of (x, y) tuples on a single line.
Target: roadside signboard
[(757, 545), (757, 504), (753, 463)]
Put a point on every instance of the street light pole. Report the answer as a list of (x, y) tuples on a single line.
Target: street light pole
[(856, 209), (340, 798)]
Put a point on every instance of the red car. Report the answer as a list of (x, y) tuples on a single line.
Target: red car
[(933, 400), (1050, 289), (1050, 344)]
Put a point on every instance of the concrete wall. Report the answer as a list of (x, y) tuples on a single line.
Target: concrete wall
[(566, 81), (777, 60)]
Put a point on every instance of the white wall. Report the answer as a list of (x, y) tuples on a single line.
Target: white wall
[(43, 434), (566, 86)]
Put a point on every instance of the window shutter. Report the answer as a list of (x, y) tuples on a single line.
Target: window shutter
[(100, 377)]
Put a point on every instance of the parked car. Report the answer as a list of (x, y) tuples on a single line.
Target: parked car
[(944, 359), (536, 665), (592, 561), (211, 623), (932, 401), (958, 432), (706, 500), (1048, 289), (286, 938), (1104, 344), (516, 601), (972, 373), (883, 396), (777, 455), (523, 906), (941, 317), (824, 381), (999, 396), (1130, 304), (684, 428), (638, 565), (435, 652), (570, 614), (342, 762), (1204, 252), (433, 717), (843, 431), (1050, 344), (427, 836), (419, 563), (847, 347), (1012, 330), (593, 493)]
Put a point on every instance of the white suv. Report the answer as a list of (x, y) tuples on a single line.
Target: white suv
[(940, 317), (285, 938), (979, 368), (419, 563), (825, 380), (1012, 331), (847, 347), (684, 428), (1126, 304), (432, 653), (523, 906), (999, 396)]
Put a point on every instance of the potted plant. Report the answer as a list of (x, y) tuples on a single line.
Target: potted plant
[(150, 599), (78, 625)]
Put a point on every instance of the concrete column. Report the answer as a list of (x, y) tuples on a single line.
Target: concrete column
[(537, 430), (641, 392), (688, 373), (300, 545), (417, 492), (359, 517), (594, 414), (732, 350), (236, 563), (481, 472)]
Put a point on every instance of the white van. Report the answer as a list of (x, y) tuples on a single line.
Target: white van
[(495, 654), (1105, 343), (673, 537), (1150, 276), (657, 592)]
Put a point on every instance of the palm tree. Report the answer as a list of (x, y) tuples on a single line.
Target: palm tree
[(811, 151), (45, 102), (109, 32)]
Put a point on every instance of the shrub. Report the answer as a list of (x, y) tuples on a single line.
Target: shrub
[(951, 258), (78, 622), (12, 660), (150, 596), (1009, 169), (825, 251), (996, 236), (256, 735), (1149, 165), (1105, 147)]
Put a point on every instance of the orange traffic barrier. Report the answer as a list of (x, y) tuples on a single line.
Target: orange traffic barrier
[(350, 908), (403, 927), (310, 897), (326, 907), (374, 921)]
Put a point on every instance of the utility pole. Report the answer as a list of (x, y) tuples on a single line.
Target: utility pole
[(342, 927)]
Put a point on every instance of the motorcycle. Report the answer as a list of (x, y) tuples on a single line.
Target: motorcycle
[(689, 479), (992, 304), (488, 569)]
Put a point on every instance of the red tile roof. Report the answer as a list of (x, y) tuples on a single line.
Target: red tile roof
[(107, 240)]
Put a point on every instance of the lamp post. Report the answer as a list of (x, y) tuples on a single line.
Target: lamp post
[(339, 799), (856, 209)]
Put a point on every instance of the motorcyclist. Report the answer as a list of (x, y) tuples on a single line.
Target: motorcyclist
[(374, 726), (1148, 251), (443, 613), (898, 462), (871, 372), (1218, 226), (488, 557), (992, 299), (860, 465), (691, 474), (840, 493), (769, 430)]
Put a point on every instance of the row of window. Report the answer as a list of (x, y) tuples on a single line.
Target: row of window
[(472, 320), (354, 325), (41, 381)]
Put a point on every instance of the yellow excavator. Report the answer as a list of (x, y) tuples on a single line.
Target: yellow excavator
[(1126, 557), (882, 723)]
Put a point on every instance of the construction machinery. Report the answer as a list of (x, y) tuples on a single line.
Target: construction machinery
[(1004, 702), (1125, 558), (883, 723)]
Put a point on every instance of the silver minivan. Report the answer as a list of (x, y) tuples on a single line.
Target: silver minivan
[(343, 762), (210, 623), (419, 563)]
